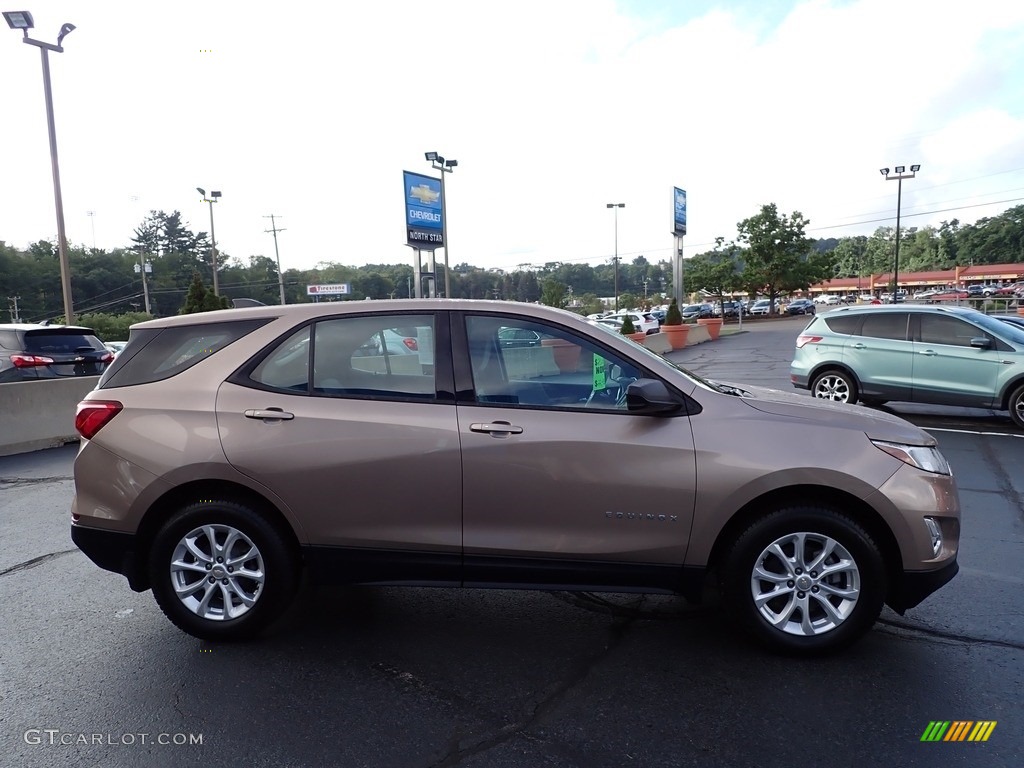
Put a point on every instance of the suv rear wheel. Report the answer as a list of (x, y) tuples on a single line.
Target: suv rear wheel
[(1017, 406), (221, 571), (835, 385), (805, 579)]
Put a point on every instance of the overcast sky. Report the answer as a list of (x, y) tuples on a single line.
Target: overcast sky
[(312, 110)]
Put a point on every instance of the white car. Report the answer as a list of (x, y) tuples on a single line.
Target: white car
[(642, 321), (760, 307)]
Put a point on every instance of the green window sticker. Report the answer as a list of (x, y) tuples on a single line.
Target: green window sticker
[(600, 378)]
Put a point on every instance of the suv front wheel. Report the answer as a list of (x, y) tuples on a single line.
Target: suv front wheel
[(805, 579), (221, 571)]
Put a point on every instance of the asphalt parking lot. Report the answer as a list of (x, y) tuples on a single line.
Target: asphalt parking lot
[(92, 674)]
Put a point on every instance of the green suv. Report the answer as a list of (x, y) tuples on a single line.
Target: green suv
[(916, 354)]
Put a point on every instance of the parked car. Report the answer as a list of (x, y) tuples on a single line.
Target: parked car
[(800, 307), (32, 351), (761, 307), (728, 309), (696, 311), (913, 353), (227, 454), (115, 347), (642, 321), (948, 294)]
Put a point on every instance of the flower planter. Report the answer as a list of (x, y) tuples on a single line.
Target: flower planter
[(676, 335), (713, 324), (566, 354), (638, 337)]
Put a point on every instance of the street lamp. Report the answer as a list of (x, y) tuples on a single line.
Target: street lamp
[(438, 163), (280, 275), (616, 207), (23, 20), (213, 238), (898, 177)]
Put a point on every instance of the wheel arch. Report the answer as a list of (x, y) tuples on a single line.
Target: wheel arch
[(161, 510), (812, 495), (1008, 389)]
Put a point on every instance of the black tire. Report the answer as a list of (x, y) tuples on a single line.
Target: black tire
[(810, 629), (1016, 406), (258, 567), (873, 402), (835, 385)]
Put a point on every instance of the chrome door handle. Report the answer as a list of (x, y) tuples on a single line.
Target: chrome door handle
[(268, 414), (858, 345), (496, 428), (928, 352)]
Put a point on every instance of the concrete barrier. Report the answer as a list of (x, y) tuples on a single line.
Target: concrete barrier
[(40, 414)]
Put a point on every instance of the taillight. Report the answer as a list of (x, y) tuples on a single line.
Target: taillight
[(30, 361), (93, 415), (107, 358), (411, 344), (806, 338)]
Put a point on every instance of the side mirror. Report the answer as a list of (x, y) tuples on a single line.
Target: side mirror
[(650, 397), (981, 342)]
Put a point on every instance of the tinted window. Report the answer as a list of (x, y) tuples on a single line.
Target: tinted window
[(60, 342), (161, 353), (842, 323), (388, 356), (885, 325), (563, 371), (943, 329)]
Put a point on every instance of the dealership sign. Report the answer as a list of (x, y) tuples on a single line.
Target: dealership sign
[(329, 289), (424, 226), (679, 211)]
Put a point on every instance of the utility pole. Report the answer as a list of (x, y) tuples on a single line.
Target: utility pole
[(15, 317), (280, 276)]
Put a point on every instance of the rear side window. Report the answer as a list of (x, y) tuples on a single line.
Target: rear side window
[(885, 325), (161, 353), (843, 324)]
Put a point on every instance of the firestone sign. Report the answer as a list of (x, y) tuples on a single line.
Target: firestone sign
[(329, 289)]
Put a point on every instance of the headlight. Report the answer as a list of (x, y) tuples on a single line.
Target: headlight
[(927, 458)]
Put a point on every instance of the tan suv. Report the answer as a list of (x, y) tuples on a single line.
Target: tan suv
[(224, 453)]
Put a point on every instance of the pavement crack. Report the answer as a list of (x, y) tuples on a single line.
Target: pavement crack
[(460, 751), (951, 636), (35, 561), (17, 482)]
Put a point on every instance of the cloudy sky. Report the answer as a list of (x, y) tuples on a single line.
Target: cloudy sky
[(553, 109)]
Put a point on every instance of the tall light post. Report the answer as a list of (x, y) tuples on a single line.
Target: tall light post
[(616, 207), (23, 20), (898, 177), (214, 196), (280, 276), (438, 163)]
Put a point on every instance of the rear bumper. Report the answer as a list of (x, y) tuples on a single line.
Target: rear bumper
[(112, 551), (917, 585)]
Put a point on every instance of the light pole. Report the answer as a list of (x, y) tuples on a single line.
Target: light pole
[(616, 207), (280, 276), (23, 20), (214, 196), (438, 163), (899, 176)]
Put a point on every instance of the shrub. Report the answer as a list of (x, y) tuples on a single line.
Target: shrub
[(673, 316), (627, 326)]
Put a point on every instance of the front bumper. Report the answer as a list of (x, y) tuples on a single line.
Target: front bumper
[(915, 586)]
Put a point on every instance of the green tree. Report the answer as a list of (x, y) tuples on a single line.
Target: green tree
[(717, 272), (552, 293), (199, 299), (777, 258)]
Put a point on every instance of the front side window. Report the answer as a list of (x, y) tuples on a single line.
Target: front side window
[(951, 331), (544, 367)]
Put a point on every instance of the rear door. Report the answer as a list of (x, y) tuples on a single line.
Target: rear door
[(360, 444), (881, 355)]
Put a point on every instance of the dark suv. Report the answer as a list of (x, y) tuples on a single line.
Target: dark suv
[(29, 352)]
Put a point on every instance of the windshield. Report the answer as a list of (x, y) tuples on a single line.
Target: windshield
[(1001, 328)]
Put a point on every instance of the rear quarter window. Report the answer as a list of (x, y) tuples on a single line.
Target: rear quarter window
[(160, 353), (846, 324)]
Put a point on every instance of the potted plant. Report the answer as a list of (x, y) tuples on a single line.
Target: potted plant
[(713, 324), (673, 327), (628, 329)]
